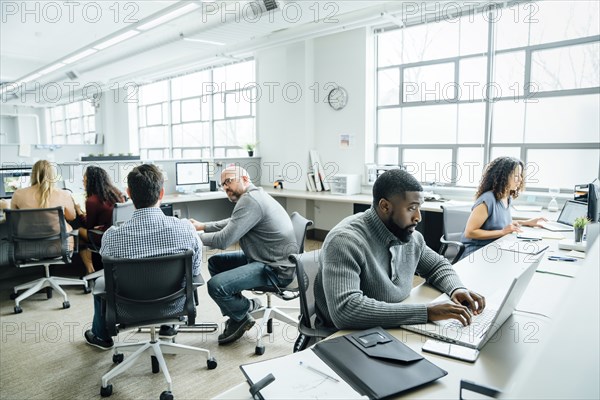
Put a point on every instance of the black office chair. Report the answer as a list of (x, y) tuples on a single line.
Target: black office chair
[(122, 212), (149, 292), (39, 237), (290, 292), (455, 220), (307, 268)]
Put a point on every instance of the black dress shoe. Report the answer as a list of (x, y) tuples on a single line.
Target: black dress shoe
[(95, 341), (235, 329)]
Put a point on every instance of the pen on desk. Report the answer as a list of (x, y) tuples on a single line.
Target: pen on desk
[(323, 374), (559, 258)]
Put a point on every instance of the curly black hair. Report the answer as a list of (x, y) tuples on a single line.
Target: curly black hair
[(98, 182), (496, 176)]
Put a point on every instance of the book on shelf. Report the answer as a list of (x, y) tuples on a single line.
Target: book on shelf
[(315, 163), (310, 182)]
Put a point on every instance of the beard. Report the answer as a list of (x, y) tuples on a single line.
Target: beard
[(403, 234)]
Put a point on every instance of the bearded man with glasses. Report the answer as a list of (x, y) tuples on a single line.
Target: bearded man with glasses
[(266, 236)]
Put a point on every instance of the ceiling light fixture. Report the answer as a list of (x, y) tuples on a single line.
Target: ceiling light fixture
[(52, 68), (116, 39), (167, 17), (80, 56), (201, 40)]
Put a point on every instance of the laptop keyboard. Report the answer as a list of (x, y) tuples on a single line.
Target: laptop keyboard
[(479, 323)]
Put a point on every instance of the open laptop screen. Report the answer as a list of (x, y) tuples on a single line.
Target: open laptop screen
[(572, 210)]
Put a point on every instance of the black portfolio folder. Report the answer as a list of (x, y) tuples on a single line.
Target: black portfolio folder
[(376, 364)]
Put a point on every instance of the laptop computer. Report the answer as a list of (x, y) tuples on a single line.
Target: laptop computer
[(484, 325), (571, 210)]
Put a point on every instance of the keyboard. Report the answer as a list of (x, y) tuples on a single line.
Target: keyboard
[(556, 226), (479, 323)]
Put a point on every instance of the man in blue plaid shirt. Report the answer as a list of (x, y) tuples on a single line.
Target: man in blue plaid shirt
[(149, 233)]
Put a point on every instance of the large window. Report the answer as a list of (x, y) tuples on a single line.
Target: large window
[(73, 123), (522, 80), (210, 113)]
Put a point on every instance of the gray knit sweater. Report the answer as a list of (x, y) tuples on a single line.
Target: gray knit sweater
[(366, 272), (260, 224)]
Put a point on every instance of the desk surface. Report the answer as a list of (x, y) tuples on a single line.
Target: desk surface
[(521, 334)]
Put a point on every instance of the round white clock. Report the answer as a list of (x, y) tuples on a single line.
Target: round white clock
[(337, 98)]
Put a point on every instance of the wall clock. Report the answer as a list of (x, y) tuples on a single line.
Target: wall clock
[(337, 98)]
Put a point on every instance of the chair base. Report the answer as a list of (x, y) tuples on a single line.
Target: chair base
[(266, 325), (48, 281), (91, 278), (156, 348)]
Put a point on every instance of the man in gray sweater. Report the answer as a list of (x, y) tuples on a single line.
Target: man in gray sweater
[(369, 260), (266, 236)]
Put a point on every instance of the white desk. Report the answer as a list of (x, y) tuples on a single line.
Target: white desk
[(523, 333)]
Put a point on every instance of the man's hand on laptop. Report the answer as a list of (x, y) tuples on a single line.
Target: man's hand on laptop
[(464, 302)]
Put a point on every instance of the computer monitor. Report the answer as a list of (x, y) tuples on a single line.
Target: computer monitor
[(593, 194), (13, 179), (589, 193), (191, 176)]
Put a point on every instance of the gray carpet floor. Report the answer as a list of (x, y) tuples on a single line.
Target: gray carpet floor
[(43, 354)]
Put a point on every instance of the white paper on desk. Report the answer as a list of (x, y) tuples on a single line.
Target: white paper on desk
[(522, 247), (540, 233), (563, 268), (294, 381)]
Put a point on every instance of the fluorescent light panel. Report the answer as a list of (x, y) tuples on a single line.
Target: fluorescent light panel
[(79, 56), (204, 41), (29, 78), (52, 68), (116, 39), (169, 16)]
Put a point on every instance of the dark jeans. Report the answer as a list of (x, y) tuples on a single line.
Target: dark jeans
[(99, 322), (233, 272)]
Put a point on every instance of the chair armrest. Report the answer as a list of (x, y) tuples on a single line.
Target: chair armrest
[(94, 239), (198, 281), (452, 242), (478, 388), (75, 234), (316, 332)]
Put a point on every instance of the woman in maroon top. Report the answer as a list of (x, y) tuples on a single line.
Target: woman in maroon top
[(101, 196)]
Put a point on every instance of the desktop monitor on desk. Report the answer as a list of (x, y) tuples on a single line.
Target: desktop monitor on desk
[(191, 176), (590, 194), (13, 179)]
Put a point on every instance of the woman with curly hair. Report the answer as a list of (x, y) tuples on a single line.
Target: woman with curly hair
[(101, 196), (490, 218)]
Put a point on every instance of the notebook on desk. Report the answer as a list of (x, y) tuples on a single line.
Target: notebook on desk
[(484, 325), (571, 210), (370, 363)]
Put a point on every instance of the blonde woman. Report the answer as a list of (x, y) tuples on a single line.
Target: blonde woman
[(43, 194)]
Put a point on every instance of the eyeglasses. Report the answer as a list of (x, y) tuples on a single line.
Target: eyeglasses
[(227, 182)]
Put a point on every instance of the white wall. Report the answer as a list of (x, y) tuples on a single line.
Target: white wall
[(340, 58), (23, 124), (284, 125), (287, 129), (112, 120)]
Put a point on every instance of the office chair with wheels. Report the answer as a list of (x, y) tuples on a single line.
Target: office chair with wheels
[(455, 220), (307, 268), (39, 237), (290, 292), (122, 212), (149, 292)]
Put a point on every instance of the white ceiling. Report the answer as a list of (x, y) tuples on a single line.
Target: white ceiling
[(32, 41)]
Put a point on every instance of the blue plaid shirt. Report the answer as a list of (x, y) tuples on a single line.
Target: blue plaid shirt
[(150, 233)]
